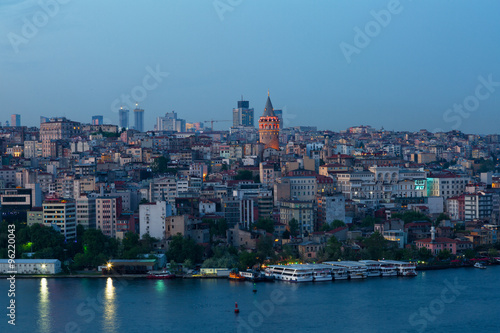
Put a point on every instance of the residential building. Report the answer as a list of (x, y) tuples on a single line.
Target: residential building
[(108, 210), (61, 215)]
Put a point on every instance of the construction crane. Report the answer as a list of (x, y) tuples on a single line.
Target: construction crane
[(214, 121)]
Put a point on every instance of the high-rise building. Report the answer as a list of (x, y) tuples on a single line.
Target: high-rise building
[(57, 129), (108, 210), (85, 212), (123, 118), (243, 115), (15, 120), (170, 123), (138, 119), (269, 127), (97, 120), (60, 214)]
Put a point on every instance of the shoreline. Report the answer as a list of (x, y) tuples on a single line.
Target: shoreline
[(144, 276)]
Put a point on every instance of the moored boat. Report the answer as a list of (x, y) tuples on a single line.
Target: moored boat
[(291, 273), (236, 276), (479, 265), (355, 269), (256, 276), (403, 268), (160, 275)]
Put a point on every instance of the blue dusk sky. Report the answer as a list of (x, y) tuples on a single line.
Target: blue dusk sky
[(403, 65)]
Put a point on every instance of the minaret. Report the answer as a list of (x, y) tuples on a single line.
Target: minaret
[(269, 127)]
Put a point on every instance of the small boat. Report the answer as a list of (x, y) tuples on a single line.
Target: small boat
[(236, 276), (256, 276), (159, 275), (479, 265)]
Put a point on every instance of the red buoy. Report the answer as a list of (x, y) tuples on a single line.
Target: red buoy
[(236, 310)]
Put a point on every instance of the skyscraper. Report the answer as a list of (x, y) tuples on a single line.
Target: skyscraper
[(138, 119), (15, 120), (123, 118), (269, 127), (243, 115), (97, 120), (170, 123)]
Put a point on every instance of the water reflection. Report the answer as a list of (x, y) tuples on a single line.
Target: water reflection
[(44, 324), (110, 307), (160, 286)]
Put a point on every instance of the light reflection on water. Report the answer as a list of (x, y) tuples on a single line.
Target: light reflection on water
[(160, 286), (109, 307), (44, 324)]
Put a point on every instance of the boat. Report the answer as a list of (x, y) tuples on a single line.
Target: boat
[(256, 276), (403, 268), (354, 269), (372, 268), (339, 273), (388, 270), (479, 265), (236, 276), (321, 272), (376, 268), (160, 275), (291, 273)]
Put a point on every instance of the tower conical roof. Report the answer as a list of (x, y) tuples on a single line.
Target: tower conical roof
[(268, 109)]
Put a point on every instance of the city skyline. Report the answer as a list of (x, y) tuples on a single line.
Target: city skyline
[(396, 75)]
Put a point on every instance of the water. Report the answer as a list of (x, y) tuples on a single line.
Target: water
[(459, 300)]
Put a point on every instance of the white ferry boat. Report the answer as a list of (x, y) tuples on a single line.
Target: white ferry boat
[(372, 268), (403, 268), (378, 268), (339, 273), (321, 272), (291, 273), (354, 268)]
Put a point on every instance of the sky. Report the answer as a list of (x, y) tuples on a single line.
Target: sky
[(401, 65)]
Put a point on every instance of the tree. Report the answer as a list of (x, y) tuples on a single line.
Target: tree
[(286, 234), (331, 226), (492, 252), (293, 225), (266, 224), (289, 252), (217, 227), (444, 254), (424, 253), (369, 221), (181, 249), (376, 244), (265, 248), (442, 217), (246, 260), (244, 175), (333, 249), (160, 165), (470, 254), (411, 216)]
